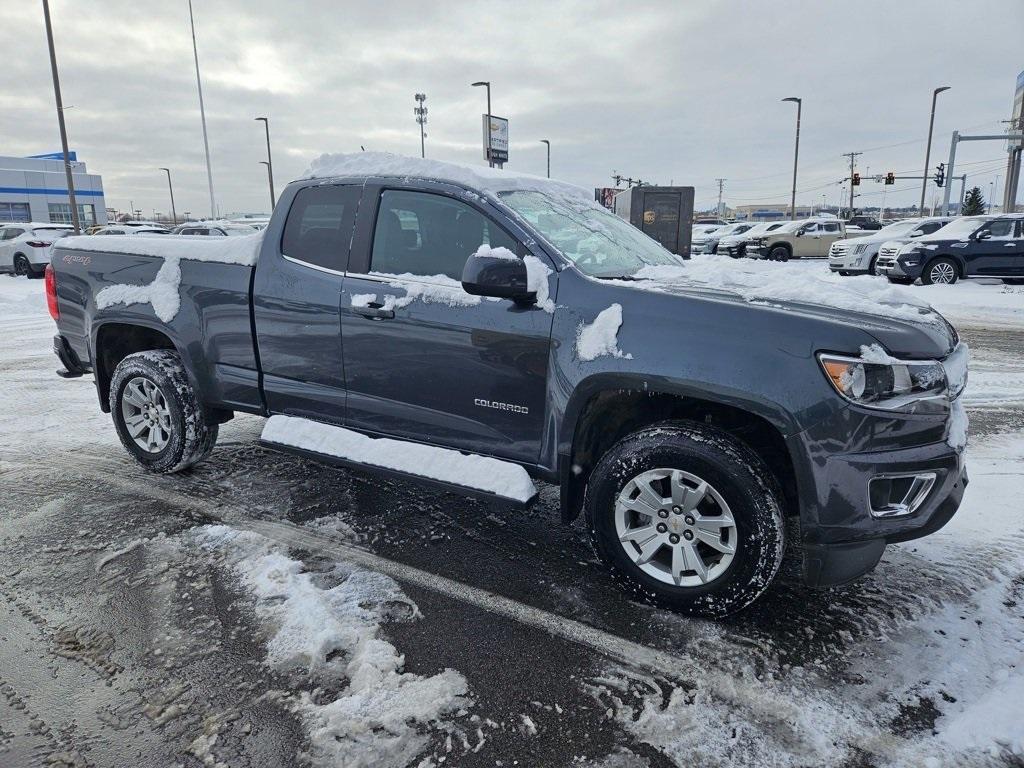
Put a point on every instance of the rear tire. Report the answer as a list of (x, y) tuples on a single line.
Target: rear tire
[(737, 486), (157, 414), (940, 271)]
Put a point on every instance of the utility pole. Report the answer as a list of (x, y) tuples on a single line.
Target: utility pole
[(420, 110), (853, 159), (928, 151), (76, 225), (270, 161), (170, 188), (545, 141), (721, 183), (202, 112), (796, 153)]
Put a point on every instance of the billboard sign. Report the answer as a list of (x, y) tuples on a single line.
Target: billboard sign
[(606, 196), (1018, 111), (497, 150)]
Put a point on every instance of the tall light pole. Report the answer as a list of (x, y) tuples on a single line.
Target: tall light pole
[(487, 83), (721, 183), (796, 153), (270, 161), (928, 151), (420, 110), (202, 113), (75, 223), (545, 141), (174, 213)]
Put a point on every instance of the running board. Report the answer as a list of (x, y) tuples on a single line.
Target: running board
[(482, 477)]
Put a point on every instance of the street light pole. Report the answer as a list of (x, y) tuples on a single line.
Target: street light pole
[(270, 161), (75, 223), (202, 113), (174, 213), (928, 151), (487, 84), (796, 153), (545, 141)]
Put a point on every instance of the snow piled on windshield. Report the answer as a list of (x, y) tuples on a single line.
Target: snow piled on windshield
[(487, 180), (768, 282)]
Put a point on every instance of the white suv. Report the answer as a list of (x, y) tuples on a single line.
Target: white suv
[(25, 248), (858, 256)]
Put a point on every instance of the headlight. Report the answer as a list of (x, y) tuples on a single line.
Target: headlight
[(878, 381)]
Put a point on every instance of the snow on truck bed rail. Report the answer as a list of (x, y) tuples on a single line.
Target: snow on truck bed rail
[(163, 293)]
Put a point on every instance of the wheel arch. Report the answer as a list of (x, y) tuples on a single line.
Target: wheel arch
[(113, 341), (606, 407)]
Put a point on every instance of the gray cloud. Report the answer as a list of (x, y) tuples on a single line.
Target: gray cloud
[(665, 91)]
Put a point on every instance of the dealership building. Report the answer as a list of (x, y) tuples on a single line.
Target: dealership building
[(36, 189)]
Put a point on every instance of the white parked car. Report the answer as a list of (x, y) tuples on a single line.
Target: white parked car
[(858, 256), (736, 245), (131, 229), (708, 243), (214, 229), (25, 248)]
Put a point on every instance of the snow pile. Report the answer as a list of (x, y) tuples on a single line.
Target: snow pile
[(485, 251), (163, 292), (600, 337), (767, 282), (958, 424), (483, 473), (490, 181), (383, 716)]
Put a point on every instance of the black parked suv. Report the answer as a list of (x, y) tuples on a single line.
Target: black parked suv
[(976, 246), (864, 222)]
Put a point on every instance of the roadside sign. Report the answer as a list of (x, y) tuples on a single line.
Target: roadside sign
[(499, 138)]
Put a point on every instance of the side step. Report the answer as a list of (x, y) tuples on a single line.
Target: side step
[(468, 474)]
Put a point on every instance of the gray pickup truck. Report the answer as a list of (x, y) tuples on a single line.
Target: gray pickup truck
[(400, 307)]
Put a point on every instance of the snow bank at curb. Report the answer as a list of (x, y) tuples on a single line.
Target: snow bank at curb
[(483, 473), (383, 716)]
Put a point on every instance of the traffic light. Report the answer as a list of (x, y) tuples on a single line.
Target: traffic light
[(856, 179), (890, 178), (940, 174)]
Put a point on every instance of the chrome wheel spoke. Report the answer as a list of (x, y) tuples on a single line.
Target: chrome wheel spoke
[(648, 550), (135, 424), (714, 541), (714, 525), (134, 395), (639, 535), (145, 415)]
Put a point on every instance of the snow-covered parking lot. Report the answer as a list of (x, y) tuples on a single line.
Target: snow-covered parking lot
[(264, 610)]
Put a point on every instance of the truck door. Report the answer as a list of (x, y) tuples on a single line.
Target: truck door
[(296, 293), (425, 360)]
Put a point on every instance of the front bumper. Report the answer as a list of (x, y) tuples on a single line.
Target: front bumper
[(843, 540), (849, 262), (898, 267)]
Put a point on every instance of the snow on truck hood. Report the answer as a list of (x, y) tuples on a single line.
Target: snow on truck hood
[(773, 283)]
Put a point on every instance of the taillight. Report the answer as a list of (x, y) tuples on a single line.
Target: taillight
[(38, 244), (51, 292)]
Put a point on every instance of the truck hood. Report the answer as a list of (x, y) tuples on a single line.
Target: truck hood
[(901, 322)]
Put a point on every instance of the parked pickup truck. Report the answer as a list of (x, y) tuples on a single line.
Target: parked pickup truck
[(807, 238), (481, 330)]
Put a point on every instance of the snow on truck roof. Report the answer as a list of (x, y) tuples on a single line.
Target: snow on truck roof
[(487, 180)]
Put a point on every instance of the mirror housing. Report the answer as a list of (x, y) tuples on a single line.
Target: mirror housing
[(916, 234), (501, 278), (983, 236), (799, 233)]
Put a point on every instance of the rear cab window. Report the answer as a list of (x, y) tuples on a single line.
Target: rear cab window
[(318, 230)]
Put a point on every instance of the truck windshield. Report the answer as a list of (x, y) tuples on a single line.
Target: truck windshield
[(597, 241)]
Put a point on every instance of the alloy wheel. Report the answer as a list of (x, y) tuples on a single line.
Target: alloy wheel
[(942, 273), (146, 415), (675, 527)]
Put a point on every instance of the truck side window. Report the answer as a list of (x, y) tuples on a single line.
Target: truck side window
[(831, 226), (426, 234), (318, 229)]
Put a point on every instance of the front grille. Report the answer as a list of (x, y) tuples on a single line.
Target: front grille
[(838, 249)]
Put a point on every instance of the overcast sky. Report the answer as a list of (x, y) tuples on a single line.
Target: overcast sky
[(667, 92)]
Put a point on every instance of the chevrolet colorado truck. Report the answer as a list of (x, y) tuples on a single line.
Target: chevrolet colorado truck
[(481, 330)]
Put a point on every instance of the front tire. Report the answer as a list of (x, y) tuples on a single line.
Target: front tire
[(940, 271), (21, 266), (687, 517), (157, 414), (779, 253)]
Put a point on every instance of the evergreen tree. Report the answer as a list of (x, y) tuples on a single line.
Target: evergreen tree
[(974, 205)]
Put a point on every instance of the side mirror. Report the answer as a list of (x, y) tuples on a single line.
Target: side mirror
[(799, 233), (916, 234), (983, 236), (502, 278)]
